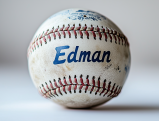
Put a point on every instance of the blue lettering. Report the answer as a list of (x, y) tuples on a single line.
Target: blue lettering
[(58, 49), (108, 55), (84, 54), (97, 58), (74, 56)]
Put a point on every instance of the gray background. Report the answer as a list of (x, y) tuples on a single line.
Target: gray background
[(139, 20)]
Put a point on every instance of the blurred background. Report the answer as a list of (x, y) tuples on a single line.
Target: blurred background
[(139, 21)]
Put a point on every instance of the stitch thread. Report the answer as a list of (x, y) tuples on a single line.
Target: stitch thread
[(102, 33), (56, 88)]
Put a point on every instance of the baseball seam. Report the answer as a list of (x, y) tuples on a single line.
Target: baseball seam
[(95, 31), (54, 89)]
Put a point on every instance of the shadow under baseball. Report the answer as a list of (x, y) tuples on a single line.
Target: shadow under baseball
[(126, 107), (122, 108)]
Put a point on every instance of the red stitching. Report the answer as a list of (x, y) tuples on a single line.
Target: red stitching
[(50, 94), (69, 33), (115, 91), (118, 91), (92, 89), (65, 81), (78, 28), (80, 87), (109, 85), (55, 92), (98, 86), (49, 91), (103, 30), (111, 90), (56, 84), (62, 29), (97, 91), (97, 29), (99, 82), (75, 87), (69, 88), (64, 34), (59, 91), (105, 36), (93, 81), (60, 82), (94, 35), (81, 33), (44, 89), (64, 89), (73, 28), (86, 89), (115, 38), (104, 84), (54, 35), (110, 37), (51, 85), (87, 34), (85, 28), (58, 33), (56, 29), (70, 80), (87, 80), (81, 80), (49, 37), (75, 80), (107, 32), (40, 41), (100, 35), (44, 39), (47, 86), (75, 33), (92, 28), (67, 28)]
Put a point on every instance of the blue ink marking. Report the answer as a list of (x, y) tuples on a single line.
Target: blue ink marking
[(79, 15), (58, 49), (83, 54), (74, 56)]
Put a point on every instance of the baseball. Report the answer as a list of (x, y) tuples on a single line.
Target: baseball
[(79, 58)]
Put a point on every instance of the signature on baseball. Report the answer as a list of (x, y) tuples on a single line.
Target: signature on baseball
[(95, 56)]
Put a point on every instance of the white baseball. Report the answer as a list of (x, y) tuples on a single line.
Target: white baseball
[(79, 58)]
